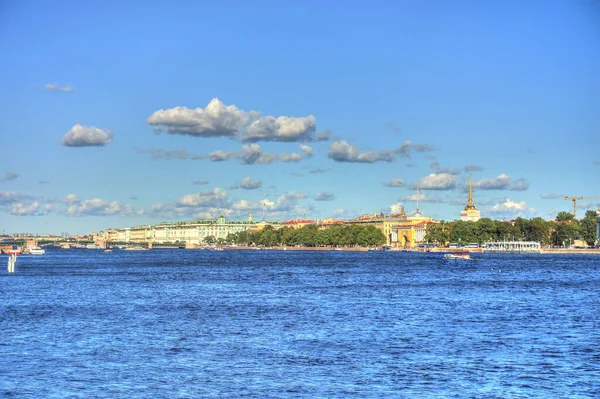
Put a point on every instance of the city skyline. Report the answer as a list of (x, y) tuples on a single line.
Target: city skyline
[(120, 115)]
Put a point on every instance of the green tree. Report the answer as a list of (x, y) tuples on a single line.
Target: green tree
[(538, 230), (506, 231), (565, 233), (210, 240), (485, 230), (463, 232), (564, 216), (268, 237), (438, 233), (587, 227)]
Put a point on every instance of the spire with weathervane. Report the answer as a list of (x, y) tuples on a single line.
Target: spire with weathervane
[(470, 213)]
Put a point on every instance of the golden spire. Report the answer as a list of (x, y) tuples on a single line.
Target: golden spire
[(470, 204)]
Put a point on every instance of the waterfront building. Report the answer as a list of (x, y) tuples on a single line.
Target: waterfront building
[(297, 223), (470, 213), (195, 232), (411, 231), (141, 234)]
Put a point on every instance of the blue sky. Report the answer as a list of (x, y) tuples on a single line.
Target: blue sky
[(118, 114)]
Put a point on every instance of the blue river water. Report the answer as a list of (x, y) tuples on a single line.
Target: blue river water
[(297, 324)]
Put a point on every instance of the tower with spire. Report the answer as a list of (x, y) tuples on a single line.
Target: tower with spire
[(470, 213)]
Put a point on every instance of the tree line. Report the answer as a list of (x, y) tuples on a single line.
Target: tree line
[(307, 236), (562, 231)]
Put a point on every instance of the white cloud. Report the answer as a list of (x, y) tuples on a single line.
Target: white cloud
[(25, 210), (324, 196), (217, 119), (252, 153), (502, 182), (441, 181), (94, 207), (407, 148), (220, 155), (208, 198), (396, 208), (509, 206), (341, 151), (395, 183), (220, 120), (85, 136), (308, 150), (71, 199), (57, 87), (282, 128), (293, 157), (250, 184)]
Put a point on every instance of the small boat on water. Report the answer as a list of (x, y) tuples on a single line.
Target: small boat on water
[(135, 248), (463, 256), (36, 251)]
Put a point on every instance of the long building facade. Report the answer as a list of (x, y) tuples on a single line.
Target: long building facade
[(400, 230)]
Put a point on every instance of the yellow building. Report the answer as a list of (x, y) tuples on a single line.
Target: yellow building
[(411, 231), (470, 213)]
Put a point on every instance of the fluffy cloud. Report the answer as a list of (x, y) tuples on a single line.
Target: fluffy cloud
[(217, 119), (324, 196), (209, 198), (86, 136), (396, 208), (25, 210), (57, 87), (395, 183), (293, 157), (283, 128), (307, 150), (407, 148), (71, 199), (250, 184), (252, 153), (10, 176), (513, 208), (441, 181), (94, 207), (502, 182), (286, 203), (220, 155), (220, 120), (341, 151)]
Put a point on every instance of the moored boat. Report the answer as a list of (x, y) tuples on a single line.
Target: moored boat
[(463, 256)]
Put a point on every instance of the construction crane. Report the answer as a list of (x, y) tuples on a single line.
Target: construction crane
[(574, 199)]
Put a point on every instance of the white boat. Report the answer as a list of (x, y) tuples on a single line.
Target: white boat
[(457, 257), (36, 251)]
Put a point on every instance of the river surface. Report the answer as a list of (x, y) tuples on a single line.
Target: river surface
[(295, 324)]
